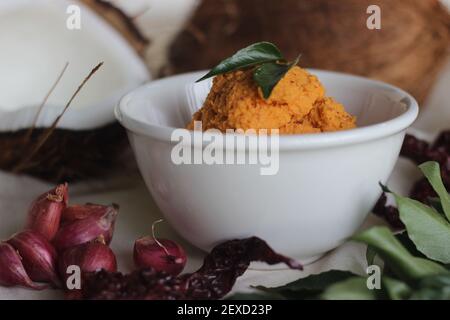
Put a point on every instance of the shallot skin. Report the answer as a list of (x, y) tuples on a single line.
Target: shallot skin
[(45, 212), (80, 212), (77, 232), (39, 257), (12, 271), (162, 255)]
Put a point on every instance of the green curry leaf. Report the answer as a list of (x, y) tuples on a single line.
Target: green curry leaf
[(269, 74), (252, 55), (354, 288), (395, 289), (403, 264), (428, 229), (370, 255), (433, 288), (309, 287), (432, 172)]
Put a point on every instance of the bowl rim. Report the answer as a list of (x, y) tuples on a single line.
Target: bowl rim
[(286, 142)]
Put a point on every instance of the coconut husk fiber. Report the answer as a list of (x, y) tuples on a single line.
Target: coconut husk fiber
[(408, 51), (67, 155), (121, 22)]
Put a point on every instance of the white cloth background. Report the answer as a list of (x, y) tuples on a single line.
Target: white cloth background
[(138, 210)]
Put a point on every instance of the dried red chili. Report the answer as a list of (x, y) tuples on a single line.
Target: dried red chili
[(213, 280), (443, 141), (389, 213), (226, 263), (415, 149)]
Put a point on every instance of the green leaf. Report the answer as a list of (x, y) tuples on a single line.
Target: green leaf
[(408, 244), (433, 288), (429, 230), (435, 203), (402, 263), (269, 74), (370, 255), (432, 172), (426, 227), (309, 287), (252, 55), (395, 289), (354, 288)]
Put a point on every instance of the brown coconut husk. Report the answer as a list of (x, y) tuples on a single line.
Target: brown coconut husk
[(408, 51), (121, 22), (67, 155)]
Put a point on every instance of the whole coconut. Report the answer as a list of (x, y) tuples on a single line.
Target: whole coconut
[(408, 51)]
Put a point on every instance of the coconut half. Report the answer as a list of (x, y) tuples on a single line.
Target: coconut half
[(36, 45)]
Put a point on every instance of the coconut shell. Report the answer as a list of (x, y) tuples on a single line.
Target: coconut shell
[(67, 155), (121, 22), (408, 51), (73, 155)]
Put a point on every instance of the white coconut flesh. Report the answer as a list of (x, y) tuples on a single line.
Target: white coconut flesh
[(35, 46)]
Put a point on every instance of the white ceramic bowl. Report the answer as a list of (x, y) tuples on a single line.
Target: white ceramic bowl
[(326, 184)]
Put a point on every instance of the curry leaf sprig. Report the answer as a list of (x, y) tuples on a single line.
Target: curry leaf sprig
[(416, 262), (269, 65), (427, 227)]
